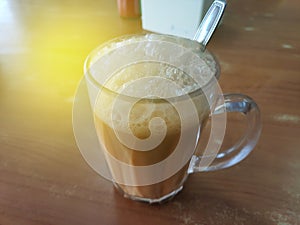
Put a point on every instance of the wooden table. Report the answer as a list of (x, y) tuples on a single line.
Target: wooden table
[(45, 180)]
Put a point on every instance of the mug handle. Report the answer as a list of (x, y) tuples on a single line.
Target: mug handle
[(240, 150)]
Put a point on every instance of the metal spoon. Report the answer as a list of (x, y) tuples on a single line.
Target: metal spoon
[(210, 22)]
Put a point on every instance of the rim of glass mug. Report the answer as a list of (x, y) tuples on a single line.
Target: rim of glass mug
[(189, 45)]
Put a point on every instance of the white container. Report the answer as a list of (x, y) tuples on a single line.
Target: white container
[(175, 17)]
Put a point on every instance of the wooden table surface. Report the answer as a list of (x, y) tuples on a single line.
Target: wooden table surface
[(45, 180)]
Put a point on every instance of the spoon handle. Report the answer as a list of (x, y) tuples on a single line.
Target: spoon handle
[(210, 22)]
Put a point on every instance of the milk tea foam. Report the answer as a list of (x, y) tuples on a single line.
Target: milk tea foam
[(153, 89)]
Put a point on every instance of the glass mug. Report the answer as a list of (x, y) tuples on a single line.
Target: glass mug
[(151, 95)]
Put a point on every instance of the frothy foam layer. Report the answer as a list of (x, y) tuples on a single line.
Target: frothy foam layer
[(177, 54), (152, 82), (120, 81)]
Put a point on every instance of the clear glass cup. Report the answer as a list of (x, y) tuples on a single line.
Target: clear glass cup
[(151, 95)]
